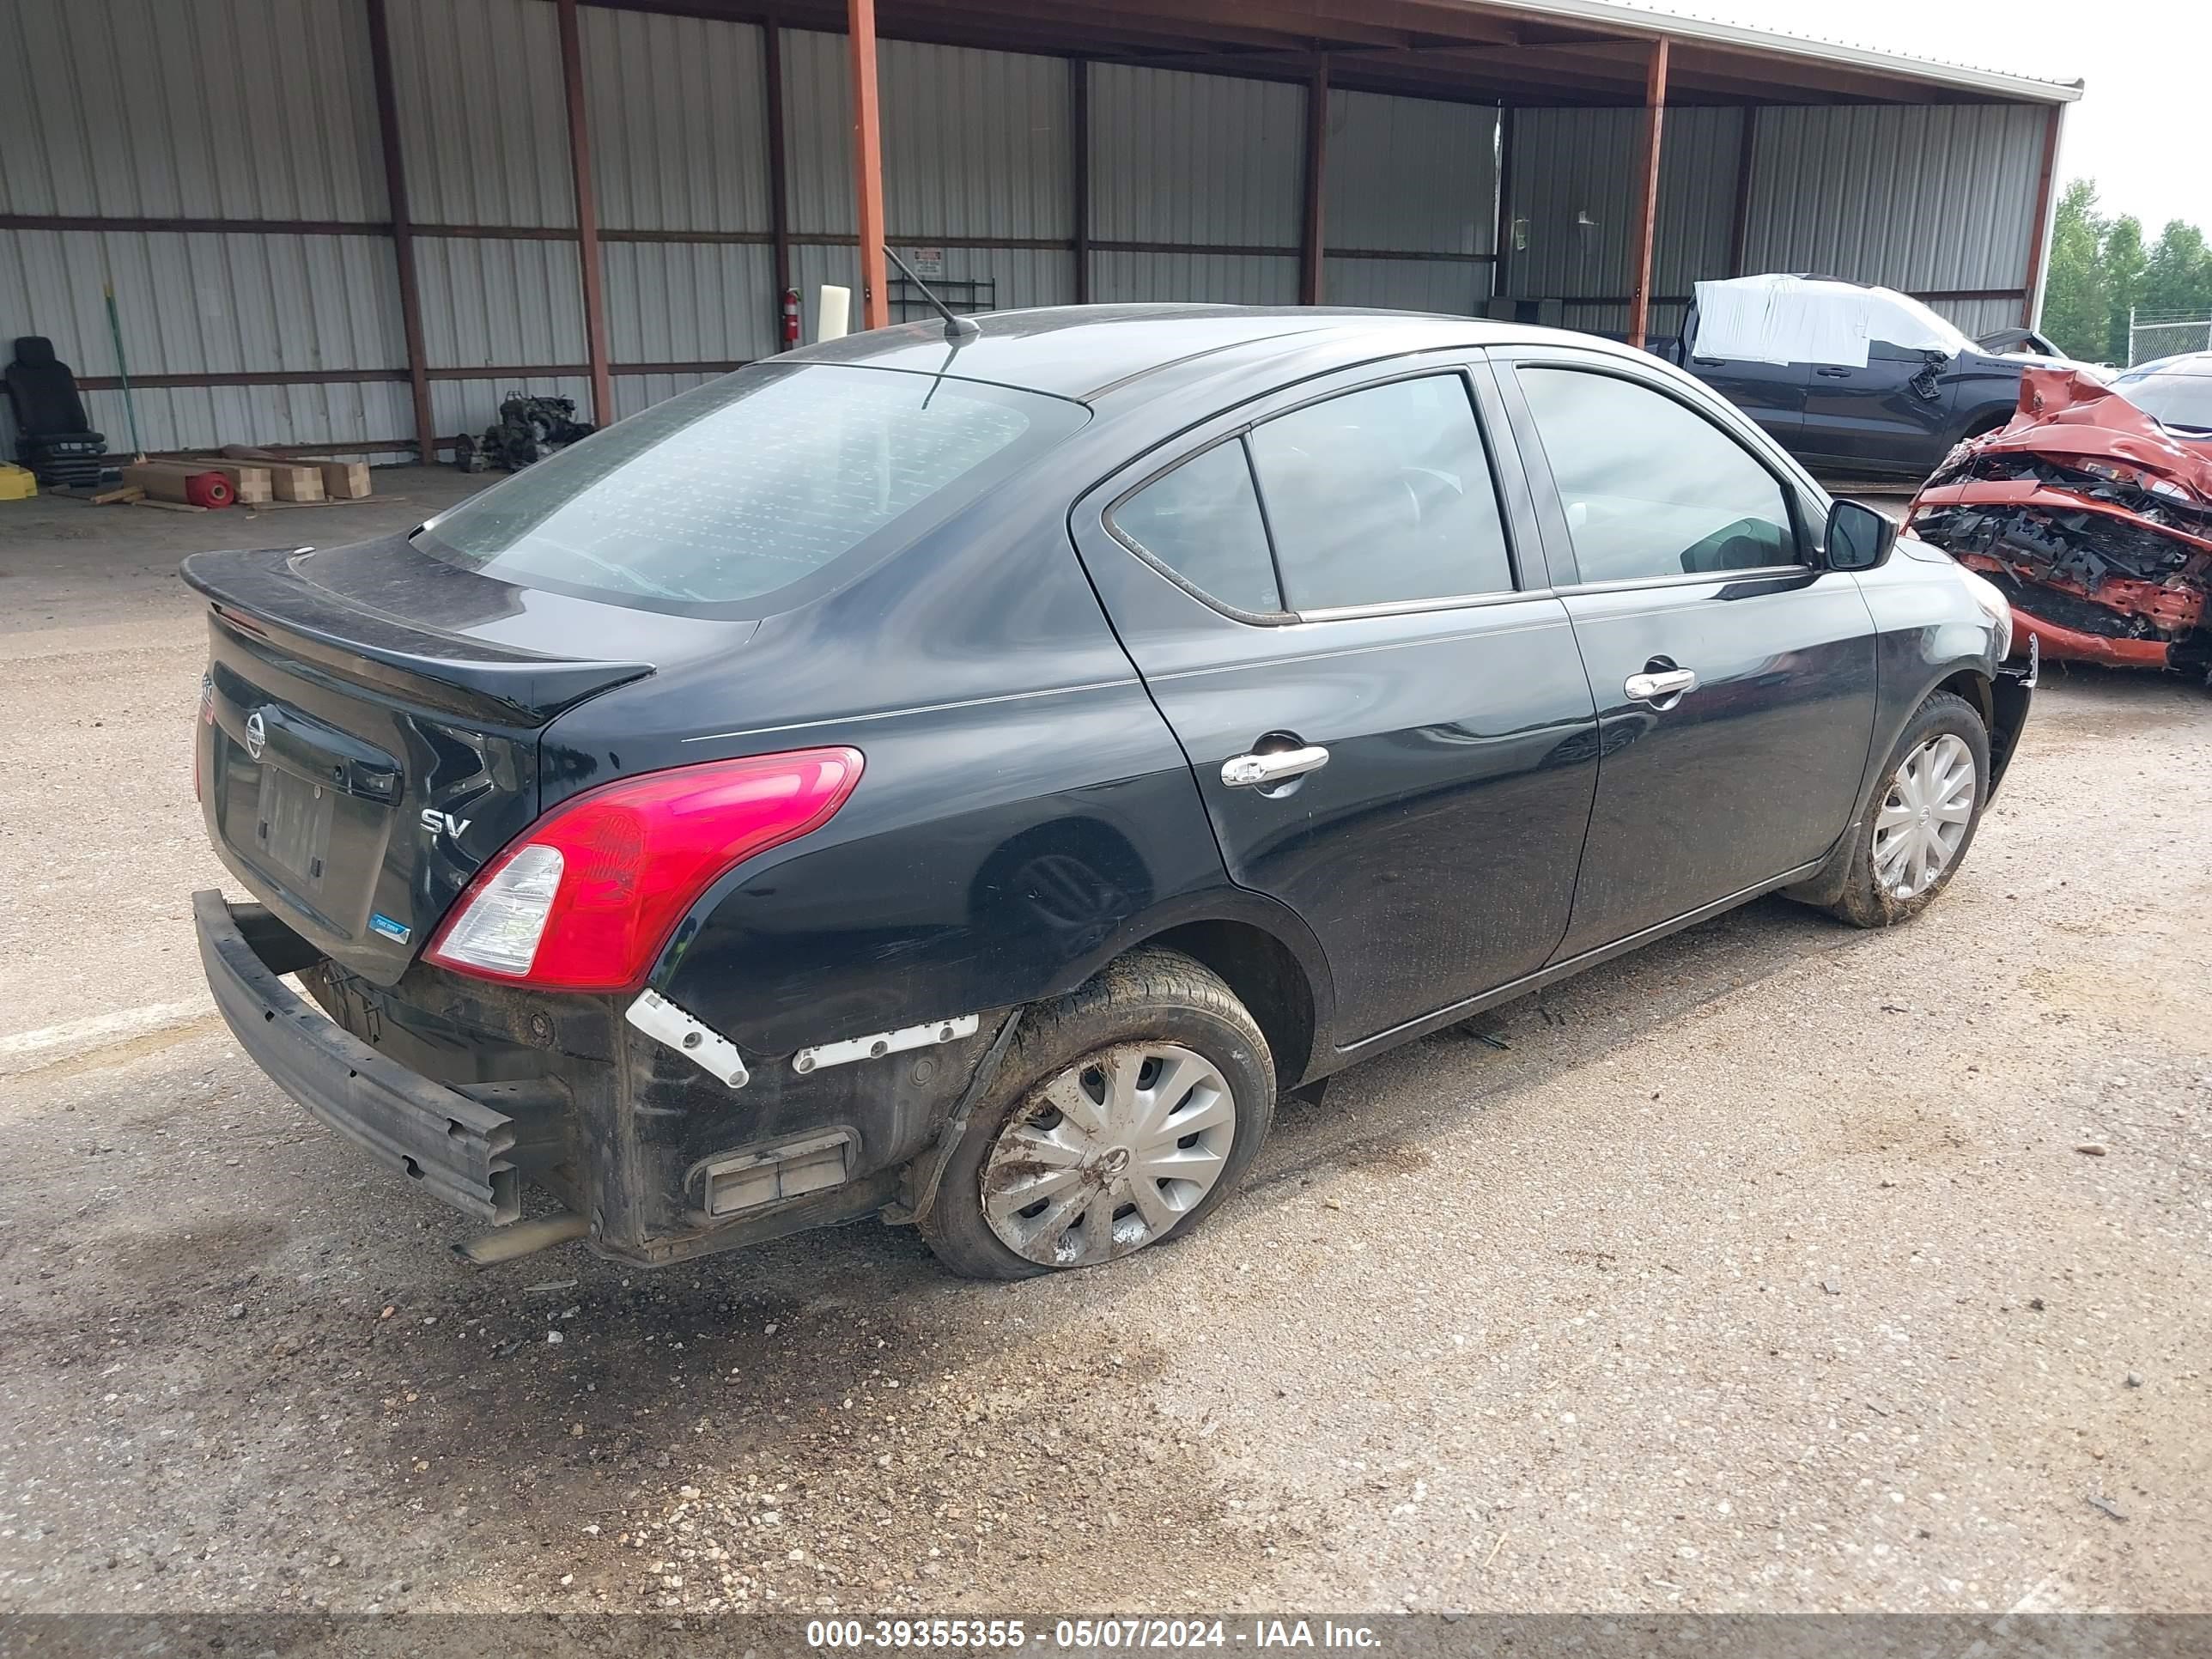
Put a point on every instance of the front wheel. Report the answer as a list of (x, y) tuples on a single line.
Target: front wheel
[(1915, 832), (1125, 1113)]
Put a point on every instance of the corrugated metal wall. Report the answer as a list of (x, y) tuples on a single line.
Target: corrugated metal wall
[(1930, 200), (1409, 175), (677, 111), (241, 111), (1573, 205), (483, 139), (247, 111), (1194, 159), (976, 145), (1936, 200), (139, 108), (483, 127)]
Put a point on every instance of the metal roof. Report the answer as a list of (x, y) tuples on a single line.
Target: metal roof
[(1518, 53), (1682, 26)]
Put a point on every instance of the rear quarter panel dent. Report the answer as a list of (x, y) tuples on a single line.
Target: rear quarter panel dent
[(982, 863)]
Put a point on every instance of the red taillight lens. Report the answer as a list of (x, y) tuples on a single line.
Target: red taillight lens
[(586, 899)]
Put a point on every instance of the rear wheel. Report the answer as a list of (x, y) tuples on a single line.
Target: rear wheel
[(1916, 830), (1125, 1113)]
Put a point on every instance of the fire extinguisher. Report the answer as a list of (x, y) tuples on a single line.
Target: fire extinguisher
[(790, 318)]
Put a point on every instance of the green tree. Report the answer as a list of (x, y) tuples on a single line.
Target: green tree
[(2077, 307), (2124, 278), (2177, 277), (2101, 274)]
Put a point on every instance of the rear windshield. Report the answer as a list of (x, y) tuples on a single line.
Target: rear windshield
[(2177, 396), (749, 485)]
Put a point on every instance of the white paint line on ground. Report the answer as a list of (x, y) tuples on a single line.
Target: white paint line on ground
[(29, 1050), (2048, 1596)]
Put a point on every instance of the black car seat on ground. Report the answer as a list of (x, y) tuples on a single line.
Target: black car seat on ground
[(53, 438)]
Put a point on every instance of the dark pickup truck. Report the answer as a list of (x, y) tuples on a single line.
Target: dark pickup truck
[(1854, 378)]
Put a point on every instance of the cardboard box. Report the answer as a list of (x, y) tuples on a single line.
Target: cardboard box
[(248, 482), (301, 482), (345, 481)]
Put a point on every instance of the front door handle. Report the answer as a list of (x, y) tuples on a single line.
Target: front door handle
[(1252, 771), (1661, 687), (1833, 373)]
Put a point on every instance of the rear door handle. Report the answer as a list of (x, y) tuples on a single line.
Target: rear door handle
[(1657, 688), (1250, 771)]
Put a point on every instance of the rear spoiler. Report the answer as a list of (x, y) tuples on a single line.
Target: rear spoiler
[(260, 597)]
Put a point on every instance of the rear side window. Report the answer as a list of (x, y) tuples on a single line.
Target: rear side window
[(1374, 497), (750, 484), (1383, 496), (1202, 521), (1650, 487)]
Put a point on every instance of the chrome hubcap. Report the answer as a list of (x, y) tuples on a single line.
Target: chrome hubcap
[(1924, 818), (1110, 1155)]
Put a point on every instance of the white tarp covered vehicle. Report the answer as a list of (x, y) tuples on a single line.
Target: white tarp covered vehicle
[(1811, 320), (1850, 377)]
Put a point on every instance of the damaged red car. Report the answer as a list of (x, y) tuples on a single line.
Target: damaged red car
[(2092, 510)]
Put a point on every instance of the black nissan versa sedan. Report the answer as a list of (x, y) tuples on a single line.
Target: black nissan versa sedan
[(970, 778)]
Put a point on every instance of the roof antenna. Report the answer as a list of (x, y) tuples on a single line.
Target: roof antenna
[(957, 327)]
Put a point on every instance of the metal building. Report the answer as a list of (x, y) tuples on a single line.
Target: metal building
[(350, 225)]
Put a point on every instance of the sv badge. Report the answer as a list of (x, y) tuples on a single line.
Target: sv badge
[(433, 821)]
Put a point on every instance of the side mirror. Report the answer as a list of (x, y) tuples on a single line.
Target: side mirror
[(1858, 537)]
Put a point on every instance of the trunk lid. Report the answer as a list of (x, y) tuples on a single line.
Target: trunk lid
[(370, 731)]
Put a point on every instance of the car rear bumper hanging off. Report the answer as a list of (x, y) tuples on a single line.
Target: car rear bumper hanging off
[(457, 1147)]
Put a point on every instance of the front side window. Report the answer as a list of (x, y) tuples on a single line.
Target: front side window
[(1383, 496), (748, 485), (1650, 487)]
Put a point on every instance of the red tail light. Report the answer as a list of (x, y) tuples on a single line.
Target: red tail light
[(586, 899)]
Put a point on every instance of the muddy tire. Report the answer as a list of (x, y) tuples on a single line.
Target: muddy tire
[(1917, 824), (1124, 1115)]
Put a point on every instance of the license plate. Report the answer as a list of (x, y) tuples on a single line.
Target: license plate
[(293, 824)]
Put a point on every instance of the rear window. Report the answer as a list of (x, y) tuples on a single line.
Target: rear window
[(2177, 397), (749, 485)]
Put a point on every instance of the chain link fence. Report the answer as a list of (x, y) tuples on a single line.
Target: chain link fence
[(2153, 335)]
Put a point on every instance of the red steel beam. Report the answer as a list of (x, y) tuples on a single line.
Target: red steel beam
[(1078, 133), (2040, 232), (778, 201), (868, 162), (402, 229), (1739, 227), (1646, 221), (588, 217), (1310, 241), (1501, 247)]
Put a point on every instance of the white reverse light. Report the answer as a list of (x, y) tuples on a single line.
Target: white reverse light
[(500, 930)]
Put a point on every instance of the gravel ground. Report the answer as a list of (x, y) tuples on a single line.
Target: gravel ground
[(1777, 1266)]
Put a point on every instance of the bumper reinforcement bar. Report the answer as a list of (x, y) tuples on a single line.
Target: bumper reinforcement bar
[(457, 1147)]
